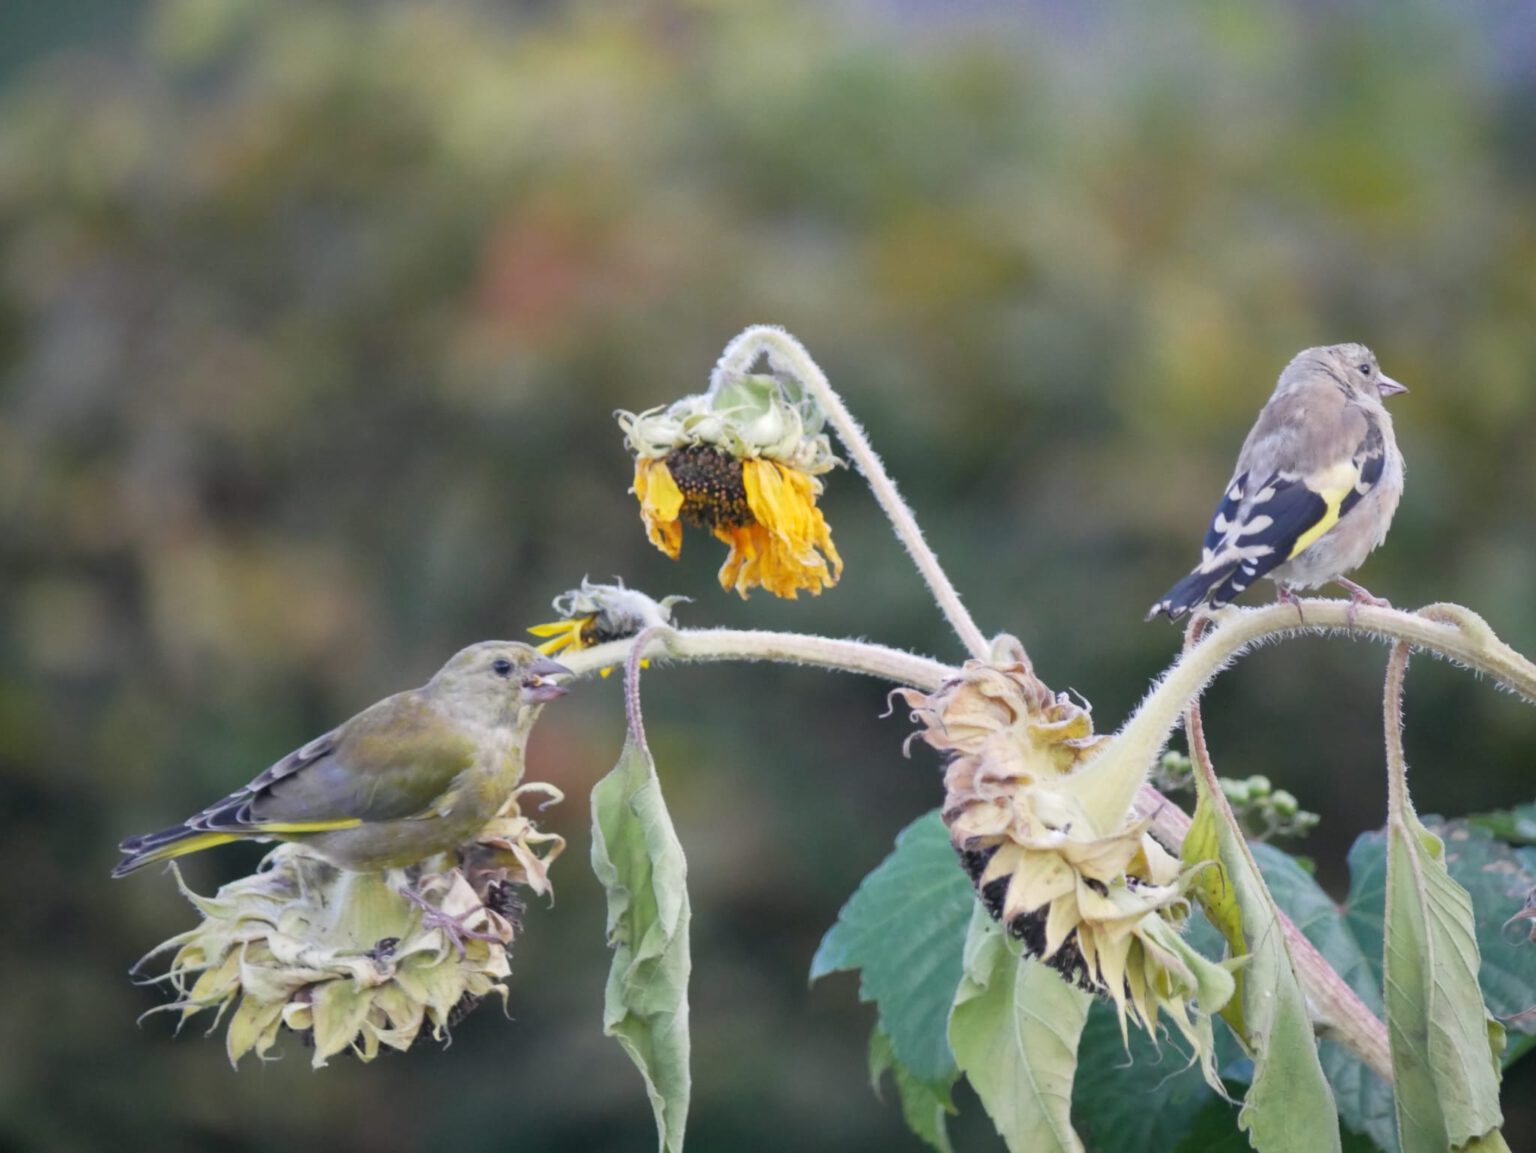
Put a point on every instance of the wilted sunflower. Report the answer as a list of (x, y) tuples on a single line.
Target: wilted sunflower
[(1103, 908), (345, 958), (597, 613), (741, 461)]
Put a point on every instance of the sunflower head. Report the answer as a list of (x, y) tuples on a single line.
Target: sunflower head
[(597, 613), (1101, 906), (741, 462), (345, 958)]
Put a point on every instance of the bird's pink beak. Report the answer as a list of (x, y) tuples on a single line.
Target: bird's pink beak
[(1386, 386), (535, 685)]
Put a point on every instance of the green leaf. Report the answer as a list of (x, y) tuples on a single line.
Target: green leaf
[(1289, 1105), (1215, 1130), (1364, 1098), (925, 1105), (1497, 878), (1516, 826), (1015, 1030), (1444, 1045), (637, 857), (1141, 1099), (1137, 1103), (904, 929)]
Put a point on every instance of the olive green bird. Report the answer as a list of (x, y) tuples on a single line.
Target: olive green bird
[(419, 773)]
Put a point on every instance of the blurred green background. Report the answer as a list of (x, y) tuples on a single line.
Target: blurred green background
[(312, 318)]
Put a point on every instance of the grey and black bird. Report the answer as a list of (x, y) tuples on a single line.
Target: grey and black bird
[(1314, 490)]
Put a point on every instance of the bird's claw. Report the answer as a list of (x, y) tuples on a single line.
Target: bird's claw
[(1359, 595), (453, 926), (1286, 597)]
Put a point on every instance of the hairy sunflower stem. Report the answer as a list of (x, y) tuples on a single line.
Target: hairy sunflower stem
[(1446, 630), (1392, 709), (632, 663), (851, 656), (1336, 1006), (787, 354)]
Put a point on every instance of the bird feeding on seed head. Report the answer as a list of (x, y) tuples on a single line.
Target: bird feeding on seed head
[(1314, 490), (417, 774)]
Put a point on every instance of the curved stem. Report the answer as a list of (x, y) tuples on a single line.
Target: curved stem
[(632, 665), (894, 665), (788, 354), (1450, 631)]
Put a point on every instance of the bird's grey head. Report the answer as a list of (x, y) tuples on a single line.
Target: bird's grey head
[(497, 678), (1353, 365)]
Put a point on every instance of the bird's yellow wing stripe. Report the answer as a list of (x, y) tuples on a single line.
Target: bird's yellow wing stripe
[(1333, 485), (306, 826), (197, 842), (193, 844)]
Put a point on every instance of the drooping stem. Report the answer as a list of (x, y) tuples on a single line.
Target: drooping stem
[(1346, 1017), (632, 664), (788, 354), (1447, 630), (1392, 724), (895, 665)]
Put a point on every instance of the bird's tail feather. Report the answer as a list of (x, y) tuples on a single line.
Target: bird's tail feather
[(1215, 588), (162, 846)]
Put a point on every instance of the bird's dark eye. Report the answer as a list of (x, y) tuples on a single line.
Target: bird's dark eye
[(502, 667), (1367, 369)]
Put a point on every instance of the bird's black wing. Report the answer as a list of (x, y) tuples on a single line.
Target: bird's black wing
[(1261, 525)]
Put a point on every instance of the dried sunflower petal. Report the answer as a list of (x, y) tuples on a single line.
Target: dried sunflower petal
[(346, 957), (1101, 906)]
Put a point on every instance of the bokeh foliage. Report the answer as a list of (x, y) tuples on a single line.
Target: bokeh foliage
[(311, 319)]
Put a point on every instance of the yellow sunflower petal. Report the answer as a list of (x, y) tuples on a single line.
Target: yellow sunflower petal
[(562, 635), (555, 628), (661, 502), (789, 547), (742, 570)]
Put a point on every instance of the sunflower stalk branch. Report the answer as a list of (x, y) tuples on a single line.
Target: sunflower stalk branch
[(787, 354), (1450, 631), (1337, 1009), (632, 664), (703, 645)]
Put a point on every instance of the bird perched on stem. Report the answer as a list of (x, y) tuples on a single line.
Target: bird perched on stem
[(1315, 487), (419, 773)]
